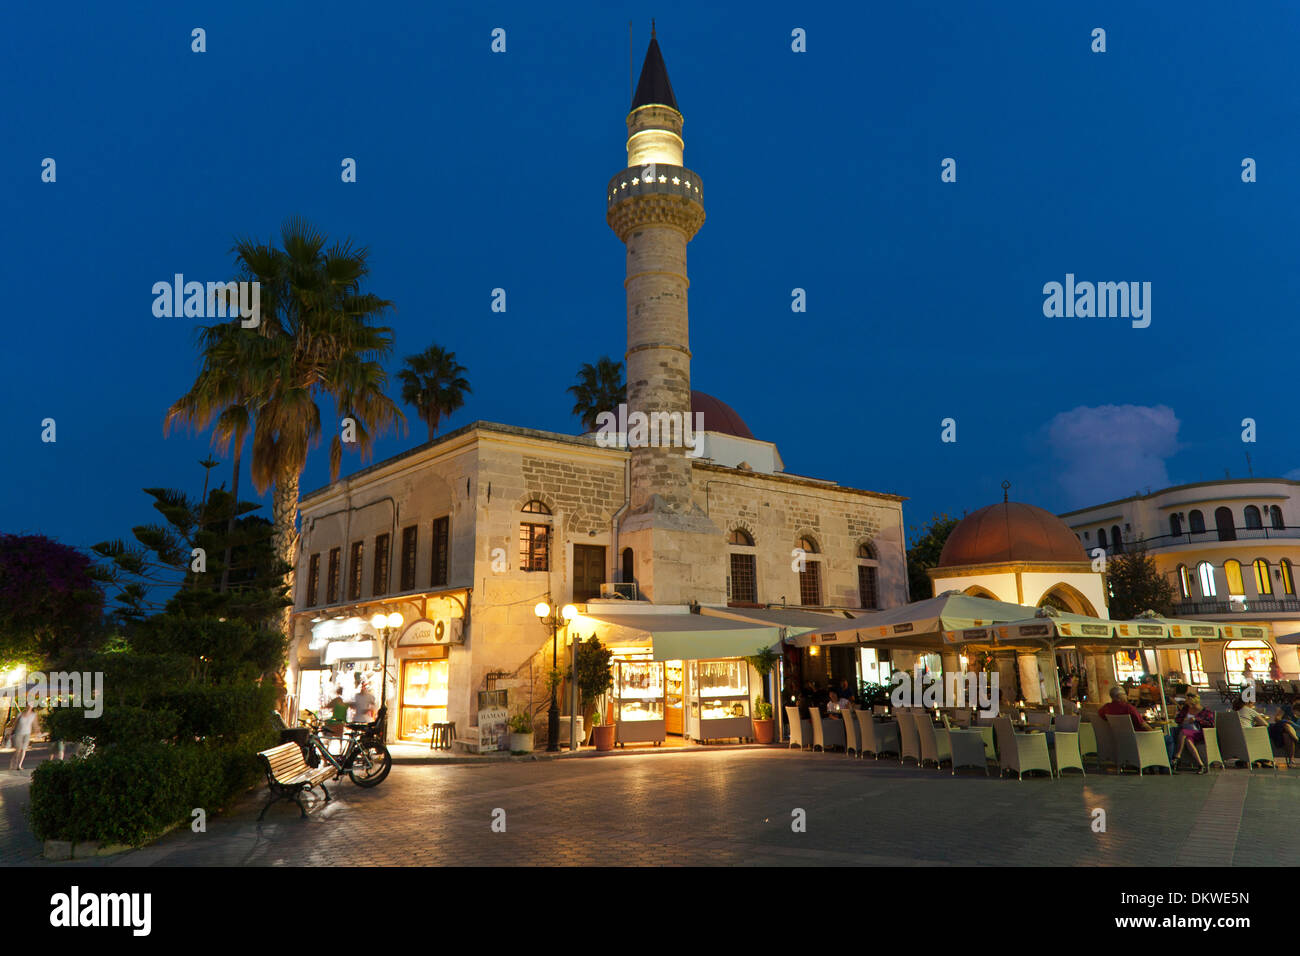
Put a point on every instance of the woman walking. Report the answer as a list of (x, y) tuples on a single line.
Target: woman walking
[(24, 727)]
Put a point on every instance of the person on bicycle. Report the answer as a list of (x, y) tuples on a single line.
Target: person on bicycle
[(338, 714)]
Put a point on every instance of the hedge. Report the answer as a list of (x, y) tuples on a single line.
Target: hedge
[(129, 794)]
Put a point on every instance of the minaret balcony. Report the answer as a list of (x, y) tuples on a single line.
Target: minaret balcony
[(655, 193), (664, 180)]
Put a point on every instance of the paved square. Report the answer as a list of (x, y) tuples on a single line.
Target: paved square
[(729, 808)]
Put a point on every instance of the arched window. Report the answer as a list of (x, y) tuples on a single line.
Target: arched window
[(629, 566), (1101, 537), (1275, 518), (743, 583), (1223, 523), (1196, 521), (535, 538), (1116, 541), (1205, 575), (1232, 571), (1252, 517), (1236, 653), (1184, 582), (1288, 581), (1175, 524), (1263, 583), (810, 578), (868, 568)]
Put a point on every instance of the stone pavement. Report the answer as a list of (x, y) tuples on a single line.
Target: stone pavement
[(735, 808)]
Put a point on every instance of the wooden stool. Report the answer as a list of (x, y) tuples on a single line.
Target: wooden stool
[(441, 736)]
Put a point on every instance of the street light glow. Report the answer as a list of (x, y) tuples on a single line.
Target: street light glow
[(542, 609), (569, 612)]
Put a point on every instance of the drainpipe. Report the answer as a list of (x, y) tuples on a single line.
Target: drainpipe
[(616, 559)]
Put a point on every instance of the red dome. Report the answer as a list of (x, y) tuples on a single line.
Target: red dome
[(1010, 531), (719, 416)]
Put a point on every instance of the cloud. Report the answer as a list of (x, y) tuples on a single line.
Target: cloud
[(1293, 474), (1112, 451)]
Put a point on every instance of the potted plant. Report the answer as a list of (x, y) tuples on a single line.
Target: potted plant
[(521, 733), (763, 661), (602, 734), (595, 676)]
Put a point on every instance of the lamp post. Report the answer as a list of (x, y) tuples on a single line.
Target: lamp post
[(385, 624), (560, 618)]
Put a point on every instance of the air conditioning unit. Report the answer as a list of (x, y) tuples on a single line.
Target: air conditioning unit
[(449, 630), (625, 590)]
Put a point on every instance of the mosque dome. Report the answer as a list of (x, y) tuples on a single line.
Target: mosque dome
[(719, 416), (1010, 531)]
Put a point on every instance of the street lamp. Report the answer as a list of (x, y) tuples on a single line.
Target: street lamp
[(560, 618), (385, 624)]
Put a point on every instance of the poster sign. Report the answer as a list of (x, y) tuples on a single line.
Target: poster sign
[(493, 713), (418, 632)]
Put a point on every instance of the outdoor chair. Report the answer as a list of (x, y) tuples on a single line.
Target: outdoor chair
[(1138, 748), (1067, 751), (1067, 724), (800, 729), (967, 750), (878, 738), (1210, 749), (934, 742), (851, 742), (827, 733), (880, 710), (1020, 753), (909, 742), (1103, 738), (961, 717), (1038, 718), (1249, 745), (1088, 741)]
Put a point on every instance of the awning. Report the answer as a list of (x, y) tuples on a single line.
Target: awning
[(919, 625), (794, 621), (1289, 639), (686, 637)]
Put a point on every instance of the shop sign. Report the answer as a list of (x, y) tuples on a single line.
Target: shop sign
[(418, 632), (493, 715)]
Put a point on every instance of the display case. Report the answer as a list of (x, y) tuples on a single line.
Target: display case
[(675, 698), (718, 700), (638, 700)]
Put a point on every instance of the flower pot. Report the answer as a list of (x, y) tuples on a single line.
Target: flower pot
[(521, 743), (763, 730), (603, 736)]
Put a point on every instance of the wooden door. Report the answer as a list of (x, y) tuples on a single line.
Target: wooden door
[(588, 571)]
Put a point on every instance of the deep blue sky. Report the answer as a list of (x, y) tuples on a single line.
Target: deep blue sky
[(821, 170)]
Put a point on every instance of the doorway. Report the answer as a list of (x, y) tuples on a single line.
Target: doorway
[(588, 571), (424, 698)]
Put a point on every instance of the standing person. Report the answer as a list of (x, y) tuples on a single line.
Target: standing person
[(338, 713), (1248, 671), (363, 705), (24, 727), (1274, 668)]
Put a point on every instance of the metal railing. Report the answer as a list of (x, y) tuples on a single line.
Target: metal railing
[(1207, 536), (1250, 605)]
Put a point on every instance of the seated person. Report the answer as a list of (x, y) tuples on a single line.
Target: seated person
[(1249, 716), (1119, 705), (834, 706), (1285, 730), (1192, 718)]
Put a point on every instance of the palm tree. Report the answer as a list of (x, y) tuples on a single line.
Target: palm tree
[(315, 339), (434, 384), (600, 388)]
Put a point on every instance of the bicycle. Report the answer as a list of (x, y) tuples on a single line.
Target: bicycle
[(365, 758)]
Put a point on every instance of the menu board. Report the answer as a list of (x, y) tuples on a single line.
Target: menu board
[(493, 716)]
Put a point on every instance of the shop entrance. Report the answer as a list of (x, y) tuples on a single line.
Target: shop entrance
[(424, 698)]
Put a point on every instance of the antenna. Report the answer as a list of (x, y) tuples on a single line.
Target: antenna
[(630, 63), (1249, 468)]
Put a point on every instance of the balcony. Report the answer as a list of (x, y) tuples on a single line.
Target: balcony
[(1266, 605), (1210, 536)]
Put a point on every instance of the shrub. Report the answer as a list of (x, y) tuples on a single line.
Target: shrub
[(223, 711), (119, 724)]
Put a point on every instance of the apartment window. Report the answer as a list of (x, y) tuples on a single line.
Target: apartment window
[(535, 538), (1253, 519), (744, 578), (379, 581), (355, 556), (332, 580), (1232, 571), (313, 581), (441, 528), (410, 536), (1101, 537), (1193, 666), (1184, 582), (810, 581), (1205, 572), (1288, 582), (1116, 541), (1196, 520), (1275, 518), (868, 592), (1175, 524), (1263, 584)]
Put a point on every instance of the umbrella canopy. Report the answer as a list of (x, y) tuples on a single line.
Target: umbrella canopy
[(1289, 639), (920, 624), (1047, 628)]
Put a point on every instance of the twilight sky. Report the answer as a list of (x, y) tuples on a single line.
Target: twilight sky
[(821, 170)]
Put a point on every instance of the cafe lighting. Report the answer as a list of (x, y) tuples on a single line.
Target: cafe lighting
[(542, 609), (568, 612)]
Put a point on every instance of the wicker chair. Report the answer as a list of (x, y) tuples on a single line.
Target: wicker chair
[(800, 729), (934, 743), (967, 750), (909, 742), (1020, 753), (1144, 749), (877, 738), (1248, 745), (1067, 751), (851, 742)]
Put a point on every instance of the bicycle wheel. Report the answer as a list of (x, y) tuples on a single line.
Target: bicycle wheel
[(371, 766)]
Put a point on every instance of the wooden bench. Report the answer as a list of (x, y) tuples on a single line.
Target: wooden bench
[(288, 775)]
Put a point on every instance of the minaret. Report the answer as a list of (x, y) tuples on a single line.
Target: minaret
[(656, 206)]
